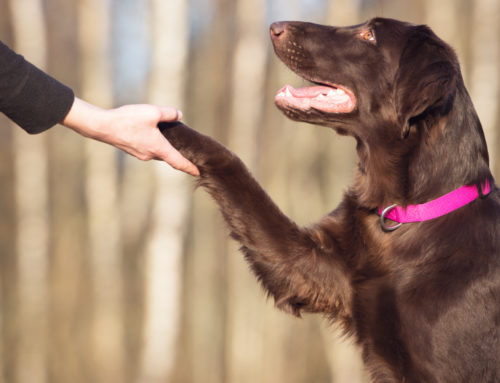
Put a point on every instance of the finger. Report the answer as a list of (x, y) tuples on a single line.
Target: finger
[(175, 159), (170, 114)]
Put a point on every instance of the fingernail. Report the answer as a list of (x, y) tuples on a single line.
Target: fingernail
[(179, 115)]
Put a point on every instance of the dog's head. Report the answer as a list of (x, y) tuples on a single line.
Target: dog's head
[(382, 74)]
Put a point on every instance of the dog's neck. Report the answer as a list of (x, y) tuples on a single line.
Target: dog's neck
[(443, 151)]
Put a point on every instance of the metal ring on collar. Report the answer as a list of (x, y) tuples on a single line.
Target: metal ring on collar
[(382, 219)]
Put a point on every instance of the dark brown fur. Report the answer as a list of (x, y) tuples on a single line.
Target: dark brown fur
[(423, 301)]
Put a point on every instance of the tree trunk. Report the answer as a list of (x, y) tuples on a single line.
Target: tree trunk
[(245, 304), (69, 274), (104, 232), (7, 225), (163, 265), (443, 18), (201, 355), (131, 40), (32, 211), (484, 80)]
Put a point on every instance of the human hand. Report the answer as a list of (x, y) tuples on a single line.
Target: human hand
[(131, 128)]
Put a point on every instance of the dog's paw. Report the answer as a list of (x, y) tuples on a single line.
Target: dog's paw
[(201, 150)]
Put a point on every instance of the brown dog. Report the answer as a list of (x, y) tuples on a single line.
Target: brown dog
[(423, 301)]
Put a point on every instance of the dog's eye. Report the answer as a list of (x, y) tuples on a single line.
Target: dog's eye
[(367, 35)]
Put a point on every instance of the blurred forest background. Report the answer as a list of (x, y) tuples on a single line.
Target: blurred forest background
[(112, 269)]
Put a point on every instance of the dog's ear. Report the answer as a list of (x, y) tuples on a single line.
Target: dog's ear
[(426, 78)]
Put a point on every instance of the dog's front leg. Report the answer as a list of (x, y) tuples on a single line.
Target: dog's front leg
[(301, 268)]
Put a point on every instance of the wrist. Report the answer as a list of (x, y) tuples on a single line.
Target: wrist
[(86, 119)]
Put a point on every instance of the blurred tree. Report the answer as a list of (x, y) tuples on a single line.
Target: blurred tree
[(102, 199), (32, 239), (131, 49), (201, 356), (245, 345), (169, 36), (485, 75), (7, 227), (70, 272)]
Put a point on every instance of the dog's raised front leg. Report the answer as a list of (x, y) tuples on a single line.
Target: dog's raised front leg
[(301, 268)]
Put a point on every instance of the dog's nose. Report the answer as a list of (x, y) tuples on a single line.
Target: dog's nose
[(277, 29)]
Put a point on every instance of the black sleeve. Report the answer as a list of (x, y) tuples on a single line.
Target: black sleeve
[(29, 97)]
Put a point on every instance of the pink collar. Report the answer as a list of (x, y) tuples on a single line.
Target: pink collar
[(432, 209)]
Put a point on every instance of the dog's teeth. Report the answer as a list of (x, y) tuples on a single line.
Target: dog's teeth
[(340, 91), (281, 94), (288, 93), (331, 93), (321, 97)]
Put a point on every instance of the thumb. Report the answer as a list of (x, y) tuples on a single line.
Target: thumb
[(169, 114)]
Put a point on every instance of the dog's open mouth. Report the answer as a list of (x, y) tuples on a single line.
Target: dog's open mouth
[(329, 99)]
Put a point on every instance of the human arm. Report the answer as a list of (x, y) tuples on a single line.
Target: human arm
[(36, 101)]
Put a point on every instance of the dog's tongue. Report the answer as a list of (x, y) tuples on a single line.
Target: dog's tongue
[(324, 98), (311, 91)]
